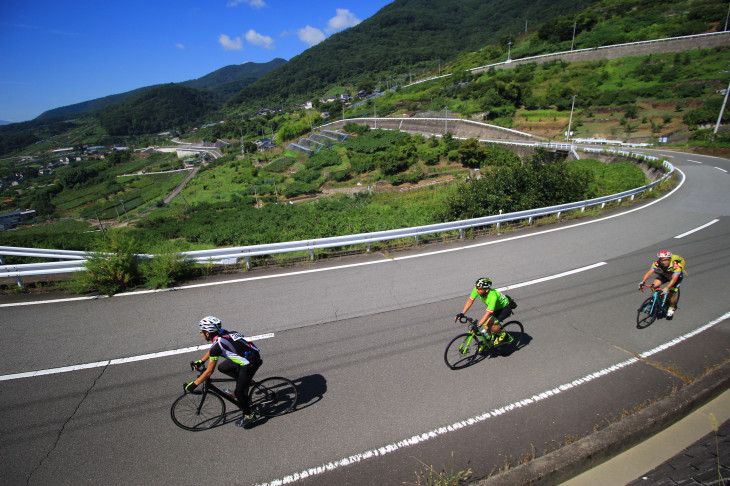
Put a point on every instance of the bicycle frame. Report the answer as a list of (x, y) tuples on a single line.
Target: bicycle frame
[(659, 301), (209, 387), (476, 332)]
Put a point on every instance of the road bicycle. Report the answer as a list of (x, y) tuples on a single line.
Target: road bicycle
[(205, 407), (473, 346), (653, 308)]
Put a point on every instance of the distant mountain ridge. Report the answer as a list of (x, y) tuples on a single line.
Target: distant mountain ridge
[(223, 83)]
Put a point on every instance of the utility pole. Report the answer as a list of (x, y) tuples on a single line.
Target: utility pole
[(722, 110), (446, 129), (570, 122), (509, 49), (572, 41)]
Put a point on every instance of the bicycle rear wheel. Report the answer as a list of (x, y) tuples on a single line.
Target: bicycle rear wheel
[(462, 351), (197, 410), (273, 396), (515, 335), (646, 314)]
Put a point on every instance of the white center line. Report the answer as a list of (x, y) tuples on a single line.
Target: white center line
[(697, 229), (162, 354), (101, 364), (718, 168)]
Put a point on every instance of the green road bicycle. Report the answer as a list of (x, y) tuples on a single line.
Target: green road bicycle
[(653, 308), (205, 407), (471, 347)]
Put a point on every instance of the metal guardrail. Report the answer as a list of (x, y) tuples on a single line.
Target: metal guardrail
[(598, 48), (75, 260)]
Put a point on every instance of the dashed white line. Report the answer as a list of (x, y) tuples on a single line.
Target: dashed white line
[(417, 439), (697, 229), (720, 168), (101, 364), (161, 354)]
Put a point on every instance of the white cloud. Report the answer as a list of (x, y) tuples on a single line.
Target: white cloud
[(310, 35), (180, 46), (230, 44), (257, 39), (342, 20), (252, 3)]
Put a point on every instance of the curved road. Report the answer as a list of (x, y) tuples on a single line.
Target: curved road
[(364, 338)]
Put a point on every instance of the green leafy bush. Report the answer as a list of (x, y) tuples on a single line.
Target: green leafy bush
[(165, 268), (112, 268)]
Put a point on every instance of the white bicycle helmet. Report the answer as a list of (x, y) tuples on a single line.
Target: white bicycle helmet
[(210, 324)]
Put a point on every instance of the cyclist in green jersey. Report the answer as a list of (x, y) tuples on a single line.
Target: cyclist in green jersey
[(498, 309)]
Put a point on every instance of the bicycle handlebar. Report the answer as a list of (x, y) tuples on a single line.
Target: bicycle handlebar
[(651, 286)]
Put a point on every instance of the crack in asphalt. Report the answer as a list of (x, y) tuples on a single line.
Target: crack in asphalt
[(63, 427)]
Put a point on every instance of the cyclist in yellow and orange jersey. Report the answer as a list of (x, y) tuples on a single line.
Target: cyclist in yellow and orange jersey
[(668, 269)]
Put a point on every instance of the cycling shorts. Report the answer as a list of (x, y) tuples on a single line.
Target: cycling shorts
[(664, 279)]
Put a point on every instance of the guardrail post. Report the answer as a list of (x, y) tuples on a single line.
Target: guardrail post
[(558, 217), (529, 221), (17, 279), (311, 254), (632, 197), (461, 233), (368, 247), (603, 205), (248, 262), (583, 209)]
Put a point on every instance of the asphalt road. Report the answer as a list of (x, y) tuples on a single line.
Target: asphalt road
[(363, 338)]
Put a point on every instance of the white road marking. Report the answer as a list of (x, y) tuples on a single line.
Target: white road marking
[(161, 354), (697, 229), (386, 260), (417, 439), (695, 161), (719, 168), (101, 364)]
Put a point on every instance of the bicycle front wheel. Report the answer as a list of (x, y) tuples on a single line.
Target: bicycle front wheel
[(515, 336), (646, 314), (273, 396), (462, 351), (197, 410)]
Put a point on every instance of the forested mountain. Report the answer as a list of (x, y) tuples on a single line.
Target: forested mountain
[(224, 83), (402, 35), (158, 109), (231, 79)]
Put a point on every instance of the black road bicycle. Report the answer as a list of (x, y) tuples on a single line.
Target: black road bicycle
[(653, 308), (205, 407), (473, 346)]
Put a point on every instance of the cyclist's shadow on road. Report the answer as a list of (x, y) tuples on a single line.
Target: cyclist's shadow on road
[(525, 340), (310, 390)]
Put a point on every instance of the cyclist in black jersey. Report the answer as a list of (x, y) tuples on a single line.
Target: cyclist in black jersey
[(242, 361)]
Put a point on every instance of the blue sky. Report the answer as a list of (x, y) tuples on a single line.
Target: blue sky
[(55, 53)]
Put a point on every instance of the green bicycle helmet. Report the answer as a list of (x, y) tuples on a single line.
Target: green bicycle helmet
[(483, 283)]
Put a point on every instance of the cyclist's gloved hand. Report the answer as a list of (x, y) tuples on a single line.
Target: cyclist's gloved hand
[(196, 365), (641, 285), (190, 386), (460, 315), (665, 290)]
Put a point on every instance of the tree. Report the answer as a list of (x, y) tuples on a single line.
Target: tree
[(470, 153)]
